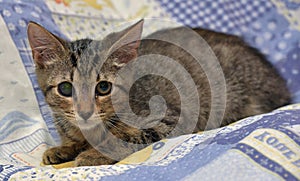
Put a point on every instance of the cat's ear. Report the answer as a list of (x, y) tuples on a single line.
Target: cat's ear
[(126, 47), (45, 46)]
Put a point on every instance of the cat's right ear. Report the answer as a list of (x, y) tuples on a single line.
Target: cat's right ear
[(126, 47), (46, 47)]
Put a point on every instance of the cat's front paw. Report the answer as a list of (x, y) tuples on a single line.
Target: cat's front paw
[(59, 154), (92, 157)]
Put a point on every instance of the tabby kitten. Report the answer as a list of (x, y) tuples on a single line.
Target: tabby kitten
[(79, 79)]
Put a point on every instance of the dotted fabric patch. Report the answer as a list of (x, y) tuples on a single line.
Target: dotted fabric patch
[(221, 15), (260, 23)]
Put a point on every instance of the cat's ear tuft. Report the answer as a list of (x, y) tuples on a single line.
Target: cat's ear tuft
[(126, 47), (46, 47)]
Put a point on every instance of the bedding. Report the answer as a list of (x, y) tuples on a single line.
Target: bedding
[(265, 147)]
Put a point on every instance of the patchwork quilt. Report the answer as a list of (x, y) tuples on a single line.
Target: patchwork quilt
[(262, 147)]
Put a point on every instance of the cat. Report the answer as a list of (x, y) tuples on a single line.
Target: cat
[(78, 79)]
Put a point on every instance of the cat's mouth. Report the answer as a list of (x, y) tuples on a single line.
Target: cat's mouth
[(87, 124)]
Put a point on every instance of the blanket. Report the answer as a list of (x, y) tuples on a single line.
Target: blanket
[(265, 147)]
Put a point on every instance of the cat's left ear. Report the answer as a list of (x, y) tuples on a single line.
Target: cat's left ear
[(126, 47), (46, 47)]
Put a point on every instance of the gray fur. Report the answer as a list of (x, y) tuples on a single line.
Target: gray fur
[(253, 87)]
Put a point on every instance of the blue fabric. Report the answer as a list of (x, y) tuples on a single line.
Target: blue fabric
[(260, 147), (17, 15), (259, 22), (219, 145)]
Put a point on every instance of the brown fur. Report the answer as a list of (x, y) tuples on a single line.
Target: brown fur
[(252, 87)]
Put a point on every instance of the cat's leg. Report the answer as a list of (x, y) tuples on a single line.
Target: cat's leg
[(72, 143), (93, 157), (64, 153)]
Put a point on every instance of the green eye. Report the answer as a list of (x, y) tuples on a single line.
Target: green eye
[(65, 89), (103, 88)]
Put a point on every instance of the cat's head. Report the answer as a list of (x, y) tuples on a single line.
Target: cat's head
[(69, 73)]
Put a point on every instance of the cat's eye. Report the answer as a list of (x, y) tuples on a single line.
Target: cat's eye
[(103, 88), (65, 89)]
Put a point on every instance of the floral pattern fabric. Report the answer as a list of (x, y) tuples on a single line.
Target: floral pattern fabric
[(265, 146)]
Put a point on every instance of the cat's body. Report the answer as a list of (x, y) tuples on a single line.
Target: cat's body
[(252, 87)]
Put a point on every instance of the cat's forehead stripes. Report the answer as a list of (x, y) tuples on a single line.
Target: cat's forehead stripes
[(84, 56), (78, 48), (86, 65)]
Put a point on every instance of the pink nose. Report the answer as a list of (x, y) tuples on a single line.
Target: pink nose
[(85, 115)]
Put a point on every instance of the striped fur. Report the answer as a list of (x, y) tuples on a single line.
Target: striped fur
[(253, 87)]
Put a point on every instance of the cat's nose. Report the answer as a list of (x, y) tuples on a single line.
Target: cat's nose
[(85, 115)]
